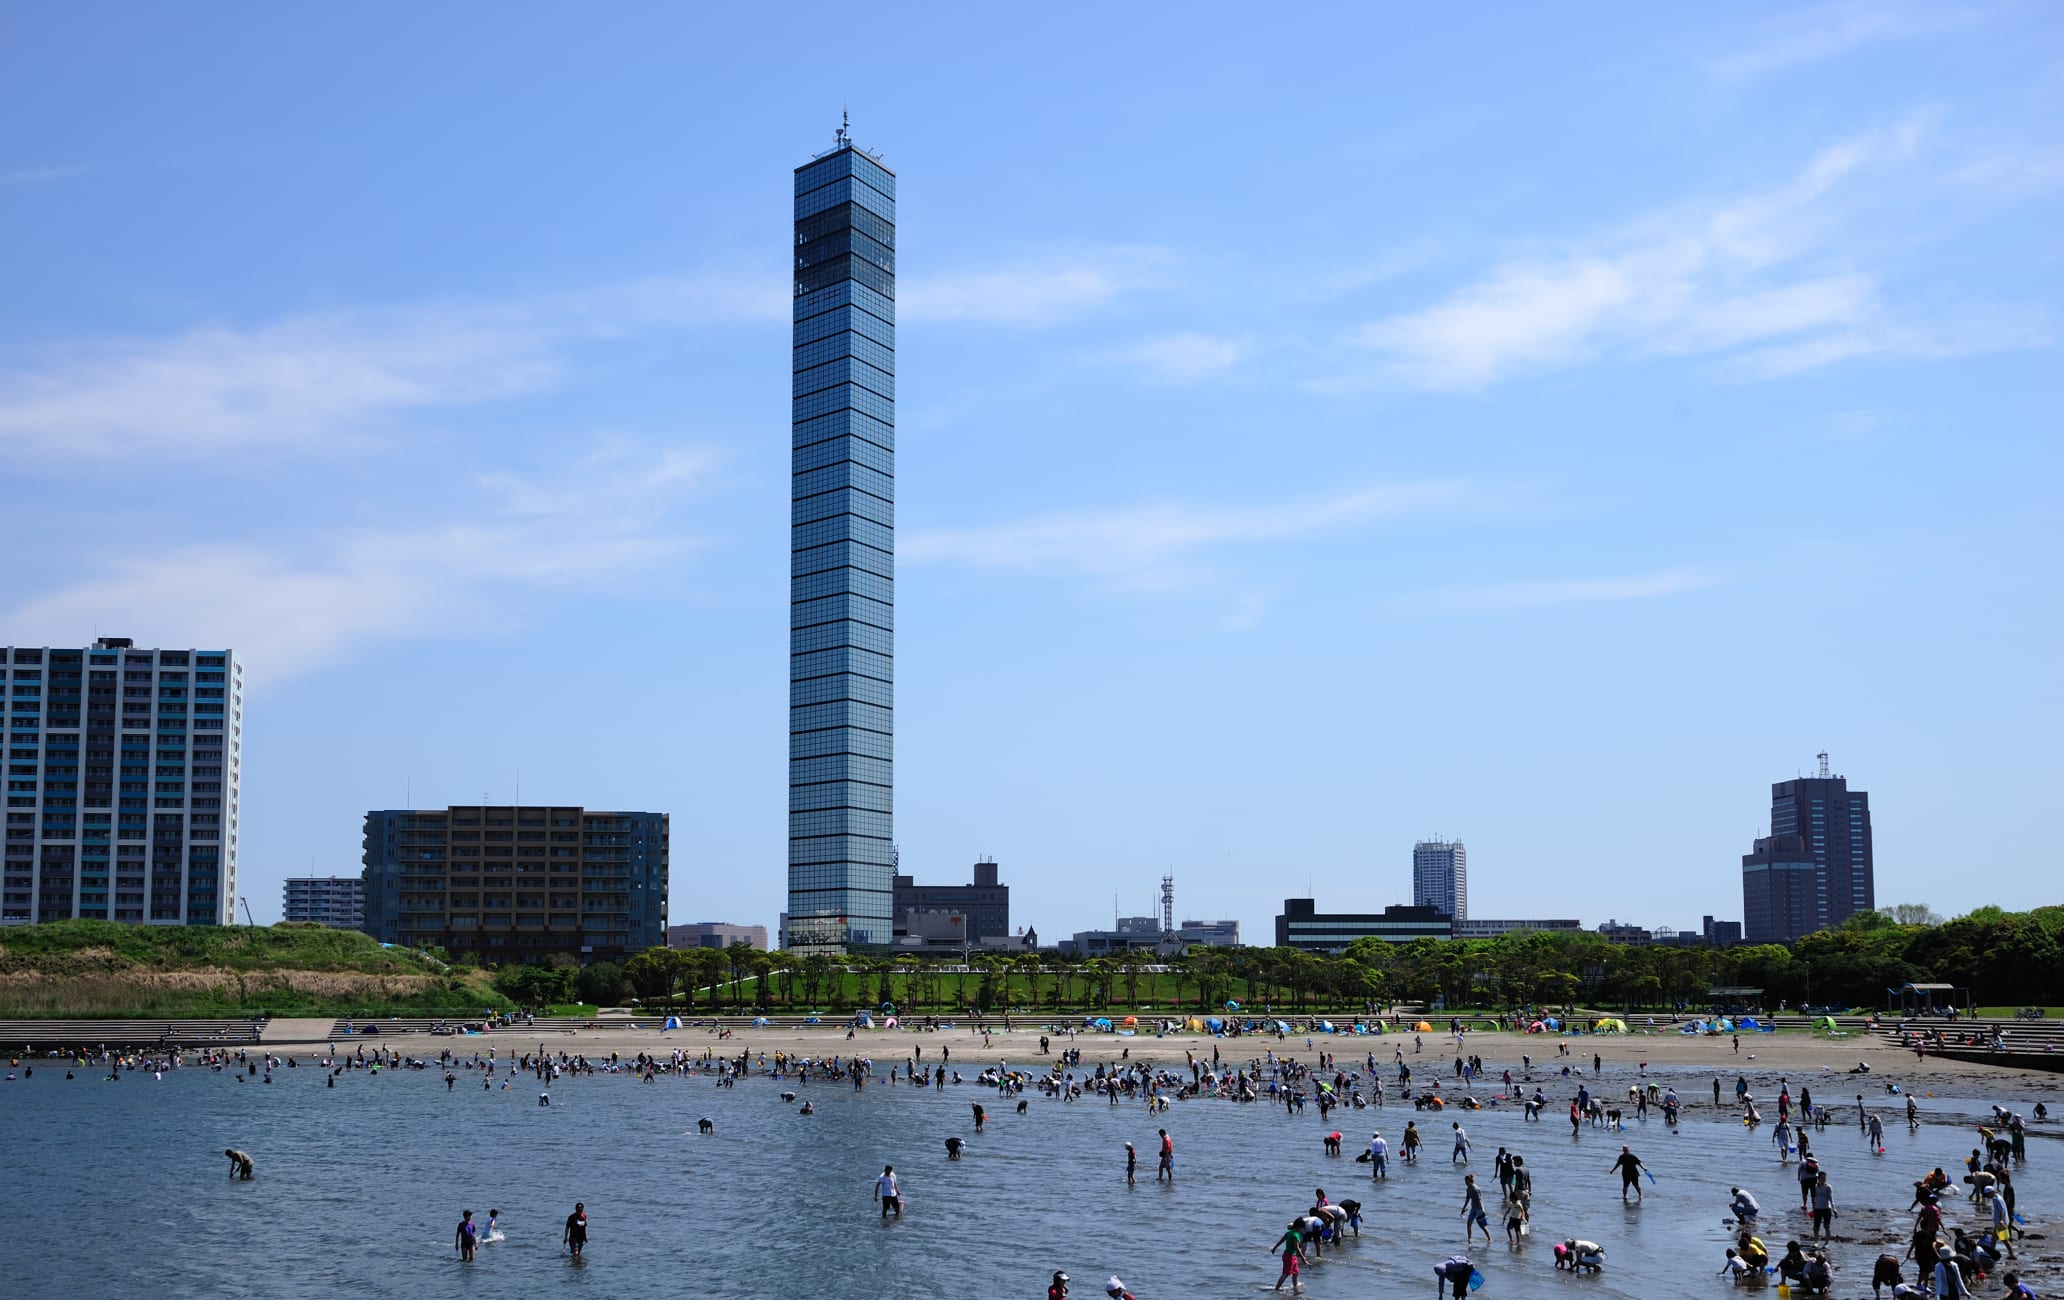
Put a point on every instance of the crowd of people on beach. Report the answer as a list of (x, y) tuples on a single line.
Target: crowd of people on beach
[(1941, 1259)]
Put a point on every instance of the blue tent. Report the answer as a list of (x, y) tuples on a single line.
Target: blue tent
[(1214, 1024)]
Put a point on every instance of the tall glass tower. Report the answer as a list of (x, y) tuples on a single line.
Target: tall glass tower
[(842, 554)]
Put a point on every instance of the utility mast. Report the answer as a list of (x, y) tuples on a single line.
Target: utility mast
[(1168, 905)]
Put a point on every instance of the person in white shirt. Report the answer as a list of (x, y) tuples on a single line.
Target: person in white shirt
[(889, 1192), (1379, 1156)]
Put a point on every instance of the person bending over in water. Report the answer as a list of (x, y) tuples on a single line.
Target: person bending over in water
[(1743, 1206), (240, 1166)]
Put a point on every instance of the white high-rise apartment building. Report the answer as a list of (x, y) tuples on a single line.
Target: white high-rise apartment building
[(335, 901), (1440, 877), (122, 774)]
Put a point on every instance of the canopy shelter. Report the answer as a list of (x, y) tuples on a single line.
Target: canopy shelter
[(1927, 999), (1734, 998)]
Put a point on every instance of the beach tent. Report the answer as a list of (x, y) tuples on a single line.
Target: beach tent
[(1193, 1024), (1423, 1027), (759, 1022), (1326, 1027), (673, 1022), (1534, 1028), (1825, 1023), (890, 1023), (1282, 1026), (1609, 1025), (1130, 1022), (1214, 1024), (864, 1020), (1552, 1023), (1100, 1023)]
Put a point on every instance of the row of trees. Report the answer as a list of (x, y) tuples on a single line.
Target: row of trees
[(2003, 957)]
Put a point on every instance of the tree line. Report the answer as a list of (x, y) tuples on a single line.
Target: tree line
[(2004, 958)]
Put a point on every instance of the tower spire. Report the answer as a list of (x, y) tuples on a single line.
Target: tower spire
[(843, 138)]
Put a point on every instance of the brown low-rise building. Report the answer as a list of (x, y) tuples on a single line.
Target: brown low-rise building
[(517, 883)]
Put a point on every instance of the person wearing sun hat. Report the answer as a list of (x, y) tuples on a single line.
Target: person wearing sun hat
[(1116, 1289), (1059, 1289)]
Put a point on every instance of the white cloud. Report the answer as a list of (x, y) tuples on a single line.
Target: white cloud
[(1725, 282), (302, 600), (40, 175), (1031, 293), (1185, 356), (617, 475), (1831, 31), (324, 379), (1147, 545), (1567, 591)]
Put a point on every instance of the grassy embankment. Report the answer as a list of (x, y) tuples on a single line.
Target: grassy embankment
[(102, 970)]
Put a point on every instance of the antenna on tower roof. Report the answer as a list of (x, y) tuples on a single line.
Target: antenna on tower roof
[(1823, 765), (845, 125)]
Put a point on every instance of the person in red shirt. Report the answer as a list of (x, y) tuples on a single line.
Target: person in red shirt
[(1059, 1289), (1167, 1167)]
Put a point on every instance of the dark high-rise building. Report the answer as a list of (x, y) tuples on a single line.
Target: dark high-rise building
[(517, 884), (1781, 897), (985, 903), (1834, 823), (841, 858)]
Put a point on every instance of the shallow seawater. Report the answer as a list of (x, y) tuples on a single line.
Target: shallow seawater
[(121, 1188)]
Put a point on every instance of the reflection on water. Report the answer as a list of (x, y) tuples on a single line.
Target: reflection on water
[(122, 1188)]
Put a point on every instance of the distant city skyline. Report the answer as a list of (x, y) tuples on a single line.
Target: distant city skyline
[(1554, 436)]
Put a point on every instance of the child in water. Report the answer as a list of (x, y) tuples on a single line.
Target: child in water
[(493, 1233)]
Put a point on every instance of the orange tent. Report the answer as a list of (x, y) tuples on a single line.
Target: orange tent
[(1423, 1027)]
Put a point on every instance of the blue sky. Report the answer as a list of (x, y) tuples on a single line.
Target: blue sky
[(1544, 429)]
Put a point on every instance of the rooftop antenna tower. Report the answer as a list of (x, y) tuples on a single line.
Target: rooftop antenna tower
[(845, 124), (1823, 765), (1168, 904)]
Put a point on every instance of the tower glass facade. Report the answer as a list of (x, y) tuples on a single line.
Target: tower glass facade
[(841, 857)]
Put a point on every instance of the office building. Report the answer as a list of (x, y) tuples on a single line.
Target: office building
[(517, 884), (1633, 935), (1440, 877), (715, 934), (1721, 934), (335, 901), (1781, 895), (1302, 925), (1133, 932), (122, 772), (1833, 823), (1211, 934), (841, 858), (1489, 929), (984, 905)]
